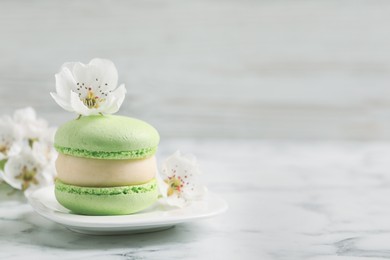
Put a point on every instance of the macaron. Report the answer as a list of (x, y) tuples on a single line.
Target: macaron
[(106, 165), (107, 137), (121, 200)]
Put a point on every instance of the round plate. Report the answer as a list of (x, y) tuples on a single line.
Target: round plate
[(157, 217)]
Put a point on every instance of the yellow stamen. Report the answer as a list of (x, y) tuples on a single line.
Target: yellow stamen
[(92, 101), (4, 149), (28, 177), (31, 141), (175, 184)]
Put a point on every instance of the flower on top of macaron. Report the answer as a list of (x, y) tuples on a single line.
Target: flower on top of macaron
[(89, 89)]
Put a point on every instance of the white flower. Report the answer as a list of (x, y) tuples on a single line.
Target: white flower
[(179, 181), (26, 171), (32, 127), (27, 155), (45, 154), (89, 89), (10, 139)]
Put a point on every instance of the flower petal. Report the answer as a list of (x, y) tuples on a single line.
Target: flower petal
[(10, 137), (25, 114), (65, 104), (79, 107), (108, 74), (28, 123), (117, 96), (64, 83), (162, 186), (48, 135), (177, 201), (68, 65), (82, 73), (15, 149), (11, 169)]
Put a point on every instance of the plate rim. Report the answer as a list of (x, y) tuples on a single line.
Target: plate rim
[(60, 217)]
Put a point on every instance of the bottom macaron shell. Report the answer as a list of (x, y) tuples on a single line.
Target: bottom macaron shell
[(121, 200)]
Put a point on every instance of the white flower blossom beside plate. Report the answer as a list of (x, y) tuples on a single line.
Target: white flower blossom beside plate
[(179, 180), (27, 154)]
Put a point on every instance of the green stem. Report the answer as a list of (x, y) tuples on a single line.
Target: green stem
[(2, 164)]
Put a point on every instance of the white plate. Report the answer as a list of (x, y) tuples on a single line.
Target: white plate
[(157, 217)]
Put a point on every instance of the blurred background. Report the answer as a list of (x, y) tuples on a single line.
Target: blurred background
[(299, 69)]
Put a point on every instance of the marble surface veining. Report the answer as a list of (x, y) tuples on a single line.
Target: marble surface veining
[(288, 200)]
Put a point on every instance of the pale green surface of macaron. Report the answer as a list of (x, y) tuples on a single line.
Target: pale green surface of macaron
[(107, 137), (120, 200)]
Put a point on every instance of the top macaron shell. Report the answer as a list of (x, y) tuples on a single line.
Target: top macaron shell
[(107, 137)]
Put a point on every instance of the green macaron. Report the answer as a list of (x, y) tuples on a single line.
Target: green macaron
[(107, 137), (106, 200), (113, 138)]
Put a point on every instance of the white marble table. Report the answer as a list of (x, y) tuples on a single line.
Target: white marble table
[(288, 200)]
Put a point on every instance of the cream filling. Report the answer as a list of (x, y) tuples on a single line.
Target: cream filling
[(104, 173)]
